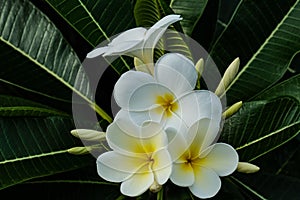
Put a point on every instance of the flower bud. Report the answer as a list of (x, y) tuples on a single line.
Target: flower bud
[(232, 110), (89, 135), (228, 77), (247, 168), (155, 187), (79, 150), (200, 68)]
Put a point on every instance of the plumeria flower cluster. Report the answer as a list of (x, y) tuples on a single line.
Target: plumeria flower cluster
[(165, 129)]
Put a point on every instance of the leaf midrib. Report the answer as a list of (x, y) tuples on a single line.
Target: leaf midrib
[(33, 156), (101, 112), (267, 136), (226, 25), (30, 108), (96, 23)]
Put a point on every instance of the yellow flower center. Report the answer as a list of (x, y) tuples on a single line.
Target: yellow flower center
[(168, 104)]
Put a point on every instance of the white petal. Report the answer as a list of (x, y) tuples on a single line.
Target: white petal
[(162, 166), (175, 122), (127, 84), (115, 167), (182, 174), (199, 104), (137, 184), (125, 143), (146, 96), (176, 72), (153, 137), (127, 126), (151, 129), (110, 174), (129, 48), (135, 34), (97, 52), (201, 134), (207, 183), (157, 30), (177, 145), (127, 42), (140, 117), (222, 158)]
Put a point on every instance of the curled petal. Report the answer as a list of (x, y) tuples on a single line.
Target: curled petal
[(129, 48), (182, 174), (137, 184), (97, 52), (176, 72), (127, 84), (207, 183), (127, 43), (157, 30), (199, 104), (222, 158), (135, 34)]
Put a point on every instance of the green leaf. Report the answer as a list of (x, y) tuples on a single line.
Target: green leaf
[(261, 126), (272, 186), (289, 87), (190, 10), (64, 189), (97, 20), (248, 190), (146, 12), (32, 45), (16, 107), (35, 147), (266, 42), (282, 160), (226, 12)]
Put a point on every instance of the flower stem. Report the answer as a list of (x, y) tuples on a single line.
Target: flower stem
[(101, 112), (160, 194)]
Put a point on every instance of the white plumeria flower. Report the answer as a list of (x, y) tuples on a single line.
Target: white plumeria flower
[(168, 96), (199, 161), (137, 42), (139, 158)]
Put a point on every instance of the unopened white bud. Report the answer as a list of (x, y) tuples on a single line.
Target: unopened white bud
[(232, 110), (228, 77), (79, 150), (247, 168), (200, 68), (88, 134)]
